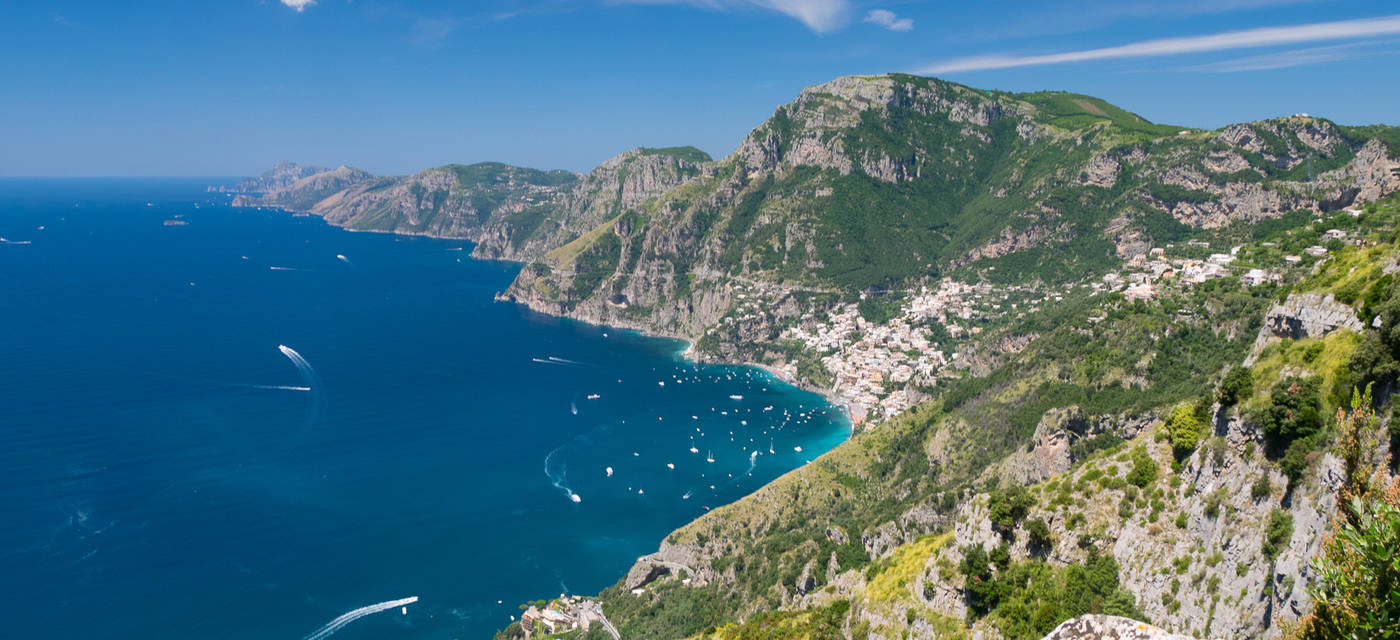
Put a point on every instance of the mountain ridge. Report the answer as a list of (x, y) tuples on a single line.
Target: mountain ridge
[(1059, 300)]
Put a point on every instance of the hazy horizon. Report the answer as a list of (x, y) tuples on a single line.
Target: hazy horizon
[(179, 89)]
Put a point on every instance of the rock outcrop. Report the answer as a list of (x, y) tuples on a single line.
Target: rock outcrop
[(1308, 315), (967, 178), (281, 176), (1100, 627), (511, 213)]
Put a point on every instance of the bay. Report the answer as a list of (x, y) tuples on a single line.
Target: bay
[(167, 470)]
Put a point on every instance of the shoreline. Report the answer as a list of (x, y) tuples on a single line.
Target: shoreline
[(688, 353)]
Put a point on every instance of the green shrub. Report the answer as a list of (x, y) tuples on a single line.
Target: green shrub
[(1261, 487), (1000, 556), (1008, 507), (1184, 430), (1039, 534), (1237, 385), (1213, 502), (1295, 460), (1278, 532), (1357, 592), (1294, 411), (1027, 600), (1144, 470)]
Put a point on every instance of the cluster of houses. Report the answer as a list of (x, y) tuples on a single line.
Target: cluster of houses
[(563, 614), (1145, 273), (878, 368), (873, 365)]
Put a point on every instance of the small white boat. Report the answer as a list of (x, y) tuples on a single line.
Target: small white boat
[(797, 449), (709, 457), (608, 471), (670, 465), (736, 397), (694, 450)]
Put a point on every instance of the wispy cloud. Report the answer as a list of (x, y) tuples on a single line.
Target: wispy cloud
[(889, 20), (1246, 39), (821, 16), (1298, 57), (432, 33), (299, 5), (1064, 17), (1182, 8)]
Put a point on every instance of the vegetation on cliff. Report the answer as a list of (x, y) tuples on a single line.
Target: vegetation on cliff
[(1123, 462), (1167, 455)]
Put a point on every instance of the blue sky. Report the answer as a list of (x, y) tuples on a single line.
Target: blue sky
[(226, 87)]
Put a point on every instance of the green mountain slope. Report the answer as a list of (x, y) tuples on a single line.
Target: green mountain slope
[(870, 183), (1097, 361), (510, 212), (1122, 462)]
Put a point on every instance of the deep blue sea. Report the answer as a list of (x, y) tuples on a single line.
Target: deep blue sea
[(167, 471)]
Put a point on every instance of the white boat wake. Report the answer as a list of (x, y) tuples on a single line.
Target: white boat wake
[(280, 387), (310, 382), (307, 373), (336, 624), (559, 479)]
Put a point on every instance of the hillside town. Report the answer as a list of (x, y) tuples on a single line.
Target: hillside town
[(878, 368), (564, 614)]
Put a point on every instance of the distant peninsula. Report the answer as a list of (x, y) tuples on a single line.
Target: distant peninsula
[(1102, 366)]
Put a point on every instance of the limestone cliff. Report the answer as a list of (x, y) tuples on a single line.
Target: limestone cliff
[(889, 181), (511, 213), (281, 176)]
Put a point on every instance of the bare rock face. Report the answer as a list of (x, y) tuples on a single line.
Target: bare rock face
[(1102, 171), (1374, 173), (511, 213), (1100, 627), (1010, 241), (1308, 315), (821, 112), (280, 176), (1049, 456), (642, 574)]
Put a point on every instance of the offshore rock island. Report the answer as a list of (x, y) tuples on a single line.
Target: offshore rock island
[(1102, 367)]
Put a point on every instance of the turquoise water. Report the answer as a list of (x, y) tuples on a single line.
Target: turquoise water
[(166, 471)]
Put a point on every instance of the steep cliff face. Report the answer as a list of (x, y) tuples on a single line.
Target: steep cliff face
[(1107, 463), (305, 193), (512, 213), (281, 176), (455, 201), (622, 183), (888, 181)]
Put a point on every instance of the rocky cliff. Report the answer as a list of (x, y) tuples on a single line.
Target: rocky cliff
[(1098, 627), (511, 213), (281, 176), (1105, 464), (889, 181)]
